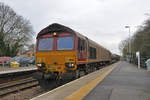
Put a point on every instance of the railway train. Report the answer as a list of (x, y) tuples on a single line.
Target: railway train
[(61, 50)]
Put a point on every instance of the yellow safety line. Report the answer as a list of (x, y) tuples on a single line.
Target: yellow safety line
[(83, 91)]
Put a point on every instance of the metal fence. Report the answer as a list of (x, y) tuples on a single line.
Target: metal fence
[(142, 62)]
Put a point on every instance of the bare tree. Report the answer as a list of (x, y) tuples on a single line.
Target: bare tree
[(15, 31), (123, 46), (139, 42)]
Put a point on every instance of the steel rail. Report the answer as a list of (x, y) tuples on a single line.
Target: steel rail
[(12, 87)]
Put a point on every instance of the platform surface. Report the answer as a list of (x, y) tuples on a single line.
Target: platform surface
[(125, 82), (4, 70)]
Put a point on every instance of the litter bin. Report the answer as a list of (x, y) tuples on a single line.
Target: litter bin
[(14, 64), (148, 64)]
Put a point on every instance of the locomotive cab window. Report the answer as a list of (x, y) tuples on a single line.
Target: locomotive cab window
[(65, 43), (45, 44), (81, 44)]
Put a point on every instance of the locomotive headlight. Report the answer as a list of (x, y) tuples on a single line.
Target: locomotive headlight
[(69, 65), (39, 65)]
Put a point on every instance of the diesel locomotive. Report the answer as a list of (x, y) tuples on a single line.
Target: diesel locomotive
[(61, 50)]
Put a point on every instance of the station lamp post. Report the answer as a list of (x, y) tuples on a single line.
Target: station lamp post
[(129, 47)]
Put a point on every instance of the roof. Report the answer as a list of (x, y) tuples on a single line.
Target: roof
[(55, 27)]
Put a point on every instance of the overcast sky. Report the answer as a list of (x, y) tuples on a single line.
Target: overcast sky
[(100, 20)]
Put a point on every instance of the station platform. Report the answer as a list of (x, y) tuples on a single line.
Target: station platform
[(126, 82), (120, 81), (4, 70)]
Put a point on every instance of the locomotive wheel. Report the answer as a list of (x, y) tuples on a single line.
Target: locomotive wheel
[(86, 71), (45, 84), (94, 69), (76, 74), (58, 81), (98, 67)]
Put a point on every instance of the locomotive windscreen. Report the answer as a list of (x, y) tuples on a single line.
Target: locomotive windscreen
[(61, 43), (65, 43), (45, 44)]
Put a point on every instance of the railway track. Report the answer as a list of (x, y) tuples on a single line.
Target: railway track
[(16, 86), (23, 84)]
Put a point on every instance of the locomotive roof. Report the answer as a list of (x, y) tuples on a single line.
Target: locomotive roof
[(55, 27)]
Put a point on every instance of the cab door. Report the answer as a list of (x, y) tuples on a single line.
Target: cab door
[(82, 49)]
